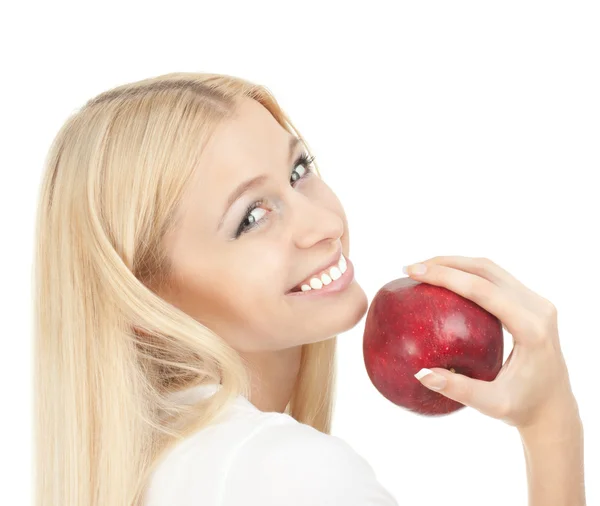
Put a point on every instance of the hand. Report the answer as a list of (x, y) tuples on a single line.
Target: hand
[(533, 384)]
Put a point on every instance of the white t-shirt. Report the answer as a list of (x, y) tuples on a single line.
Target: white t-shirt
[(252, 458)]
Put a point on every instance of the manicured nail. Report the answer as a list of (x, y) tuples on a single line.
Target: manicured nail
[(430, 379), (416, 269)]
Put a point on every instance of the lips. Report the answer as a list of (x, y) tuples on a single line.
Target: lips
[(333, 259), (339, 286)]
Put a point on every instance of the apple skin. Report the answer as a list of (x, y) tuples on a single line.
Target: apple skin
[(411, 325)]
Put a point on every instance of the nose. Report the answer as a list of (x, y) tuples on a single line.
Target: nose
[(315, 222)]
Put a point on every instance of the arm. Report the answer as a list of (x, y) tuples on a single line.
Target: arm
[(554, 458), (532, 390)]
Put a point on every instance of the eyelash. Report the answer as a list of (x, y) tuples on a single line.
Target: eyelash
[(306, 161)]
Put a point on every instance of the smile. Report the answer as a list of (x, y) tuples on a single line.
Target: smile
[(333, 279)]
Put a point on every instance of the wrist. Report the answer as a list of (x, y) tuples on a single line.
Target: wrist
[(558, 422)]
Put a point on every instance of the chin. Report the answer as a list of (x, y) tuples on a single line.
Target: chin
[(352, 313), (358, 310), (341, 317)]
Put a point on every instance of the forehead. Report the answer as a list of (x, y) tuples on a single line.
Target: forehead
[(246, 142), (250, 143)]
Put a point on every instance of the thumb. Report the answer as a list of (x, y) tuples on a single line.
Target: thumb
[(478, 394)]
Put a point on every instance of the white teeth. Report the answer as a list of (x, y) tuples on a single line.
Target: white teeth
[(316, 283), (325, 278), (335, 273)]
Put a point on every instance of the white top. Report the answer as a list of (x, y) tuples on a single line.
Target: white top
[(252, 458)]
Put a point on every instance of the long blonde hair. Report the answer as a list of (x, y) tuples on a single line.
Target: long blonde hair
[(108, 349)]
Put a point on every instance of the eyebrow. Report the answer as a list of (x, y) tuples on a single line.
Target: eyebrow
[(255, 181)]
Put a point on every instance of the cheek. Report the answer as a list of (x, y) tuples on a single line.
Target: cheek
[(263, 272), (236, 305)]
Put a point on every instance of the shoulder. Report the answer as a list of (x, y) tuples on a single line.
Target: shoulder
[(281, 437), (286, 462)]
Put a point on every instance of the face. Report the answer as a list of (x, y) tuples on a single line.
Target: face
[(234, 268)]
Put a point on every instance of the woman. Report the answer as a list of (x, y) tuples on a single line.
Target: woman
[(192, 275)]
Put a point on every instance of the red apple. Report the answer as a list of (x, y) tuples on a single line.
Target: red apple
[(411, 325)]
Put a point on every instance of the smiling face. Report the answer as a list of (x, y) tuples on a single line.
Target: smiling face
[(233, 269)]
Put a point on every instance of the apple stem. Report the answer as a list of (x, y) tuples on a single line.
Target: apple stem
[(452, 369)]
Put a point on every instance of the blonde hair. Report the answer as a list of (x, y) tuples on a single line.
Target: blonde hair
[(108, 349)]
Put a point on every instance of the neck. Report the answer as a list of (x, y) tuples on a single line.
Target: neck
[(273, 375)]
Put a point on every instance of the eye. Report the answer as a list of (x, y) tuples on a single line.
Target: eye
[(251, 221), (305, 161)]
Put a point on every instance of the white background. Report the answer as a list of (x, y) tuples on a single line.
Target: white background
[(467, 128)]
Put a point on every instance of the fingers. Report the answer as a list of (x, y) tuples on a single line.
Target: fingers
[(482, 267), (486, 294), (484, 396)]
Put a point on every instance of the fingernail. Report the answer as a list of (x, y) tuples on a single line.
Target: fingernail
[(430, 379), (415, 269)]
